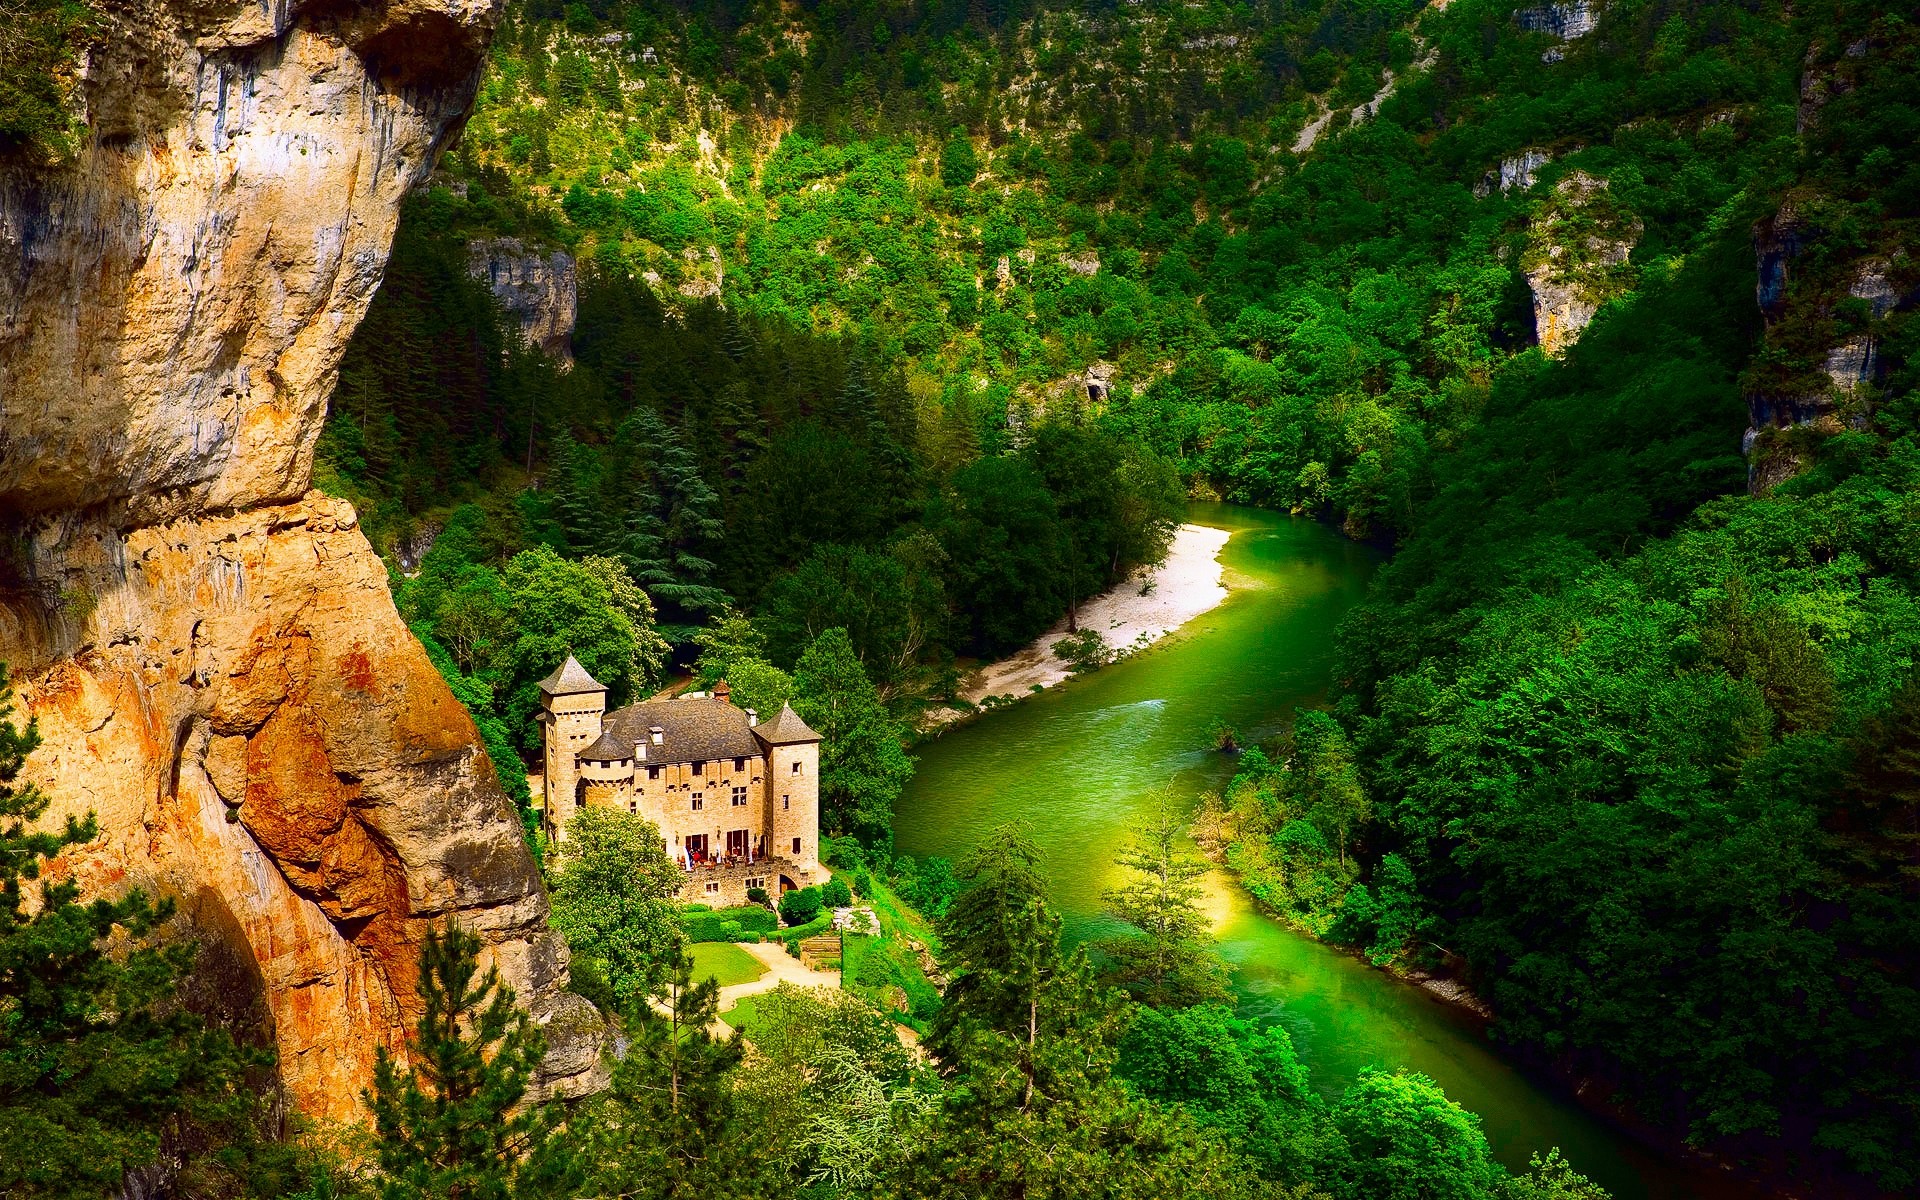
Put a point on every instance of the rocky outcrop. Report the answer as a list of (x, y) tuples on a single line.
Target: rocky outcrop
[(1565, 21), (539, 290), (1576, 258), (211, 651), (1824, 331), (1514, 171)]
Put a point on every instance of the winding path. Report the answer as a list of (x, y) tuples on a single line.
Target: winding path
[(781, 968)]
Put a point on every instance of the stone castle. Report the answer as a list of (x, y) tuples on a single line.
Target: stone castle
[(737, 799)]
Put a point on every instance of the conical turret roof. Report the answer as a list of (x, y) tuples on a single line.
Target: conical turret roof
[(786, 729), (570, 679)]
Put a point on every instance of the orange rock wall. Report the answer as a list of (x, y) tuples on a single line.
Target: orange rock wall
[(210, 650)]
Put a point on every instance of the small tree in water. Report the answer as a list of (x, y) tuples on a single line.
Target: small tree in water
[(1169, 963), (453, 1125)]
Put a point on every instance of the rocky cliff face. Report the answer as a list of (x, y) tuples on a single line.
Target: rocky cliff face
[(539, 290), (1577, 258), (1823, 325), (211, 652)]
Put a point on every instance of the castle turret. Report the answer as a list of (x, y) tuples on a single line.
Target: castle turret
[(572, 707), (793, 792)]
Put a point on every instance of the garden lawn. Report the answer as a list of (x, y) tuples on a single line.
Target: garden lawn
[(726, 962)]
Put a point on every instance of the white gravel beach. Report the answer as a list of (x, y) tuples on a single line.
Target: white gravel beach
[(1186, 585)]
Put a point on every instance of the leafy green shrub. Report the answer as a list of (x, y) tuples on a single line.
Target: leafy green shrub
[(1083, 651), (586, 978), (728, 924), (834, 893), (800, 907), (928, 885), (863, 884), (758, 896), (843, 853)]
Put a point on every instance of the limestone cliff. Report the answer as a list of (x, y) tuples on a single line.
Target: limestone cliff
[(539, 290), (1823, 325), (211, 651), (1577, 258)]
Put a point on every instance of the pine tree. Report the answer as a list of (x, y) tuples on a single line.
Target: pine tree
[(1170, 963), (673, 518), (670, 1124), (1028, 1038), (453, 1125), (576, 497), (99, 1066)]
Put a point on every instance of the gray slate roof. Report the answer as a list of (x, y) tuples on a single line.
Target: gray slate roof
[(786, 729), (570, 678), (693, 731)]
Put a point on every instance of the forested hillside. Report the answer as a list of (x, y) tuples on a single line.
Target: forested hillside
[(918, 319)]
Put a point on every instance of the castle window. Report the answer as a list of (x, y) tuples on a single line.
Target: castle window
[(739, 796), (739, 764), (796, 845), (786, 802), (713, 887), (698, 803), (796, 768), (699, 768), (653, 772), (633, 806)]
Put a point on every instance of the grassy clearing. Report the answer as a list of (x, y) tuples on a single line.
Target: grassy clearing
[(727, 963)]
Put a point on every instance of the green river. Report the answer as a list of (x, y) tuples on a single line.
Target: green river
[(1078, 762)]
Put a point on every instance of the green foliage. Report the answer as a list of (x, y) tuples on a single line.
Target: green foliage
[(832, 1086), (1241, 1080), (560, 608), (40, 46), (862, 767), (928, 884), (1291, 828), (613, 888), (1084, 651), (1030, 1036), (453, 1123), (671, 1123), (698, 927), (1551, 1178), (800, 906), (834, 893), (100, 1066), (1168, 961), (1406, 1141)]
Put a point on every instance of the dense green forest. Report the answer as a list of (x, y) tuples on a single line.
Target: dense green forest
[(1625, 735)]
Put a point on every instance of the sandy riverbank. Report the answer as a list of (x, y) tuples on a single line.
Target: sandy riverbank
[(1129, 617)]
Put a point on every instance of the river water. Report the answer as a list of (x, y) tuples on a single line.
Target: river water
[(1081, 762)]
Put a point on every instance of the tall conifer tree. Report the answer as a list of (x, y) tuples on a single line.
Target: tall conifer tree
[(454, 1125)]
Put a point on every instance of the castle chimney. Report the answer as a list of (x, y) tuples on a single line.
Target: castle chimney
[(753, 718), (659, 734), (722, 692)]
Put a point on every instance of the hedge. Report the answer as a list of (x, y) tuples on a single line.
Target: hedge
[(708, 926)]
